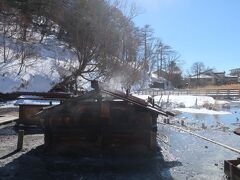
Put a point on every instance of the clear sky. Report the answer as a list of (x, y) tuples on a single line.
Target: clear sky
[(200, 30)]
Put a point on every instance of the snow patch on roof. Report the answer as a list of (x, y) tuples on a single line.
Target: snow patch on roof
[(36, 102), (202, 76)]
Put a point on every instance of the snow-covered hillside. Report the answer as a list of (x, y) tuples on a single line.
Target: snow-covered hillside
[(43, 65)]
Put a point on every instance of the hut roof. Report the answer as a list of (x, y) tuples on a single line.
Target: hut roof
[(36, 100)]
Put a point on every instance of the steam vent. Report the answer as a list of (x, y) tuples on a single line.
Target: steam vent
[(101, 121)]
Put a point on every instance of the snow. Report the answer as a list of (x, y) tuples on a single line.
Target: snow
[(39, 83), (229, 76), (155, 77), (202, 76), (36, 102), (29, 97), (9, 104), (201, 111), (49, 61), (144, 97), (7, 84), (221, 102), (191, 104), (45, 65), (238, 101), (185, 100)]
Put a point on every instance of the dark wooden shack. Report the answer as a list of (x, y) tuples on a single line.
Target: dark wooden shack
[(31, 105), (101, 121)]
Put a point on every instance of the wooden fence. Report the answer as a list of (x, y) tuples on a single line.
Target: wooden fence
[(216, 93)]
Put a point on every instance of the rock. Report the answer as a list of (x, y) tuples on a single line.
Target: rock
[(206, 147), (216, 164), (181, 105), (238, 166)]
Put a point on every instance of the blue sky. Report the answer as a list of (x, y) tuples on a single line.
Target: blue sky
[(200, 30)]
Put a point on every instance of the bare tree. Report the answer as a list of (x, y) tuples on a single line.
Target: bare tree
[(174, 73), (163, 53), (197, 68), (6, 29), (24, 53)]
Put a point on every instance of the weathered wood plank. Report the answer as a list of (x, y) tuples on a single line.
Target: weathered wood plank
[(5, 119)]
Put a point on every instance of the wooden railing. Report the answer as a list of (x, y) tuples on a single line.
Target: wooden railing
[(216, 93)]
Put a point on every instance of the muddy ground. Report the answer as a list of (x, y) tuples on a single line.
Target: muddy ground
[(34, 163), (183, 157)]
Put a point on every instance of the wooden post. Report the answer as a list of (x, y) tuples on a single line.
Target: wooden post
[(231, 172), (127, 92), (196, 102), (182, 122), (20, 140), (167, 121), (218, 94)]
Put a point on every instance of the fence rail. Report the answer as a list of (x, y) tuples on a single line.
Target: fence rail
[(216, 93)]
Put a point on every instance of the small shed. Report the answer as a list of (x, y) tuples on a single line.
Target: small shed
[(101, 121), (31, 105)]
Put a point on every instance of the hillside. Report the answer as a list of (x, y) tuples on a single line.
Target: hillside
[(43, 67)]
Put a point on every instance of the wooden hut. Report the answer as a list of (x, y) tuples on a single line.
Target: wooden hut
[(31, 105), (101, 121)]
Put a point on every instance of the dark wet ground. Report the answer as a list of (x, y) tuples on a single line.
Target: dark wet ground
[(186, 156), (201, 159), (34, 163)]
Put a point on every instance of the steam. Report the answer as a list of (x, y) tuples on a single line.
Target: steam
[(118, 83)]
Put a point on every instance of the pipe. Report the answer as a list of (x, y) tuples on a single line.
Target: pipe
[(204, 138)]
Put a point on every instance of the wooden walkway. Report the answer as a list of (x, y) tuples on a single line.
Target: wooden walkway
[(5, 119)]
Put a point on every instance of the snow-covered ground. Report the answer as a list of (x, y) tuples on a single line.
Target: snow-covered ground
[(9, 104), (186, 100), (201, 111), (189, 103)]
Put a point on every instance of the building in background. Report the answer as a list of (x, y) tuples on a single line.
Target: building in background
[(235, 72), (211, 77), (172, 78)]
